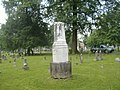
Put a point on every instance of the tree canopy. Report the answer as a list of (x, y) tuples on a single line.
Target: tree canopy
[(78, 15), (27, 23), (25, 27), (108, 30)]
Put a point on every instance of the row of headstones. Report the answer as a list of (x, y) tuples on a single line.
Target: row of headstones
[(11, 55), (98, 57), (25, 64)]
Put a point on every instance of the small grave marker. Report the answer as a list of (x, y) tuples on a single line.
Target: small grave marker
[(5, 58), (117, 59), (14, 61), (25, 65), (22, 57), (98, 55), (81, 59)]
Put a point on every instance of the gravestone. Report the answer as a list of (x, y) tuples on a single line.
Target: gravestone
[(14, 62), (117, 59), (22, 57), (60, 66), (17, 55), (98, 55), (25, 65), (5, 58), (81, 59)]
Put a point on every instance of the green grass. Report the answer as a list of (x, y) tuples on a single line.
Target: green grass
[(91, 75)]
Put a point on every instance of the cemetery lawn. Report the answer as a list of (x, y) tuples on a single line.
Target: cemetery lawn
[(91, 75)]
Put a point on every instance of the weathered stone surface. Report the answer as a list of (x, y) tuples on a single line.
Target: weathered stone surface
[(60, 48), (61, 70)]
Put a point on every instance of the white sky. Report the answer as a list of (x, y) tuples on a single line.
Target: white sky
[(3, 16)]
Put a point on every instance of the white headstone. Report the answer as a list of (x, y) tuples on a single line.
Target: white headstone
[(117, 59), (60, 48)]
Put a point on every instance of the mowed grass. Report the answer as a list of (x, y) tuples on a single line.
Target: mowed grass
[(91, 75)]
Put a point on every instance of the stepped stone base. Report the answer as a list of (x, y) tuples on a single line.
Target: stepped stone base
[(61, 70)]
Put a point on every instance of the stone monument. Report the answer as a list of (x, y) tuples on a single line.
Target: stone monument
[(60, 66)]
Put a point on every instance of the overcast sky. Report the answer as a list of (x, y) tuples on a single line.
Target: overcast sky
[(3, 16)]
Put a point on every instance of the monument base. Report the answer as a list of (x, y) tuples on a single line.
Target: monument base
[(61, 70)]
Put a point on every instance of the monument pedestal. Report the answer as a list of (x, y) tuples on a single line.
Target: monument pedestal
[(61, 70), (60, 67)]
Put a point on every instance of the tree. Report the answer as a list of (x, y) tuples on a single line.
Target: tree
[(25, 26), (108, 30), (78, 14)]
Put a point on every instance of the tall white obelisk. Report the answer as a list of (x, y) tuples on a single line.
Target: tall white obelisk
[(60, 66)]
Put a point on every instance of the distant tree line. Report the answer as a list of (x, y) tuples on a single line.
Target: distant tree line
[(29, 22)]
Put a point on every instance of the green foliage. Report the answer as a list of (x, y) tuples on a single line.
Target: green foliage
[(27, 20), (78, 15), (108, 30), (25, 27), (91, 75)]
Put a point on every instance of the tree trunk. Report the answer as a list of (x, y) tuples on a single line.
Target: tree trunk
[(32, 52), (74, 33), (28, 51), (118, 48), (25, 53), (74, 42)]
